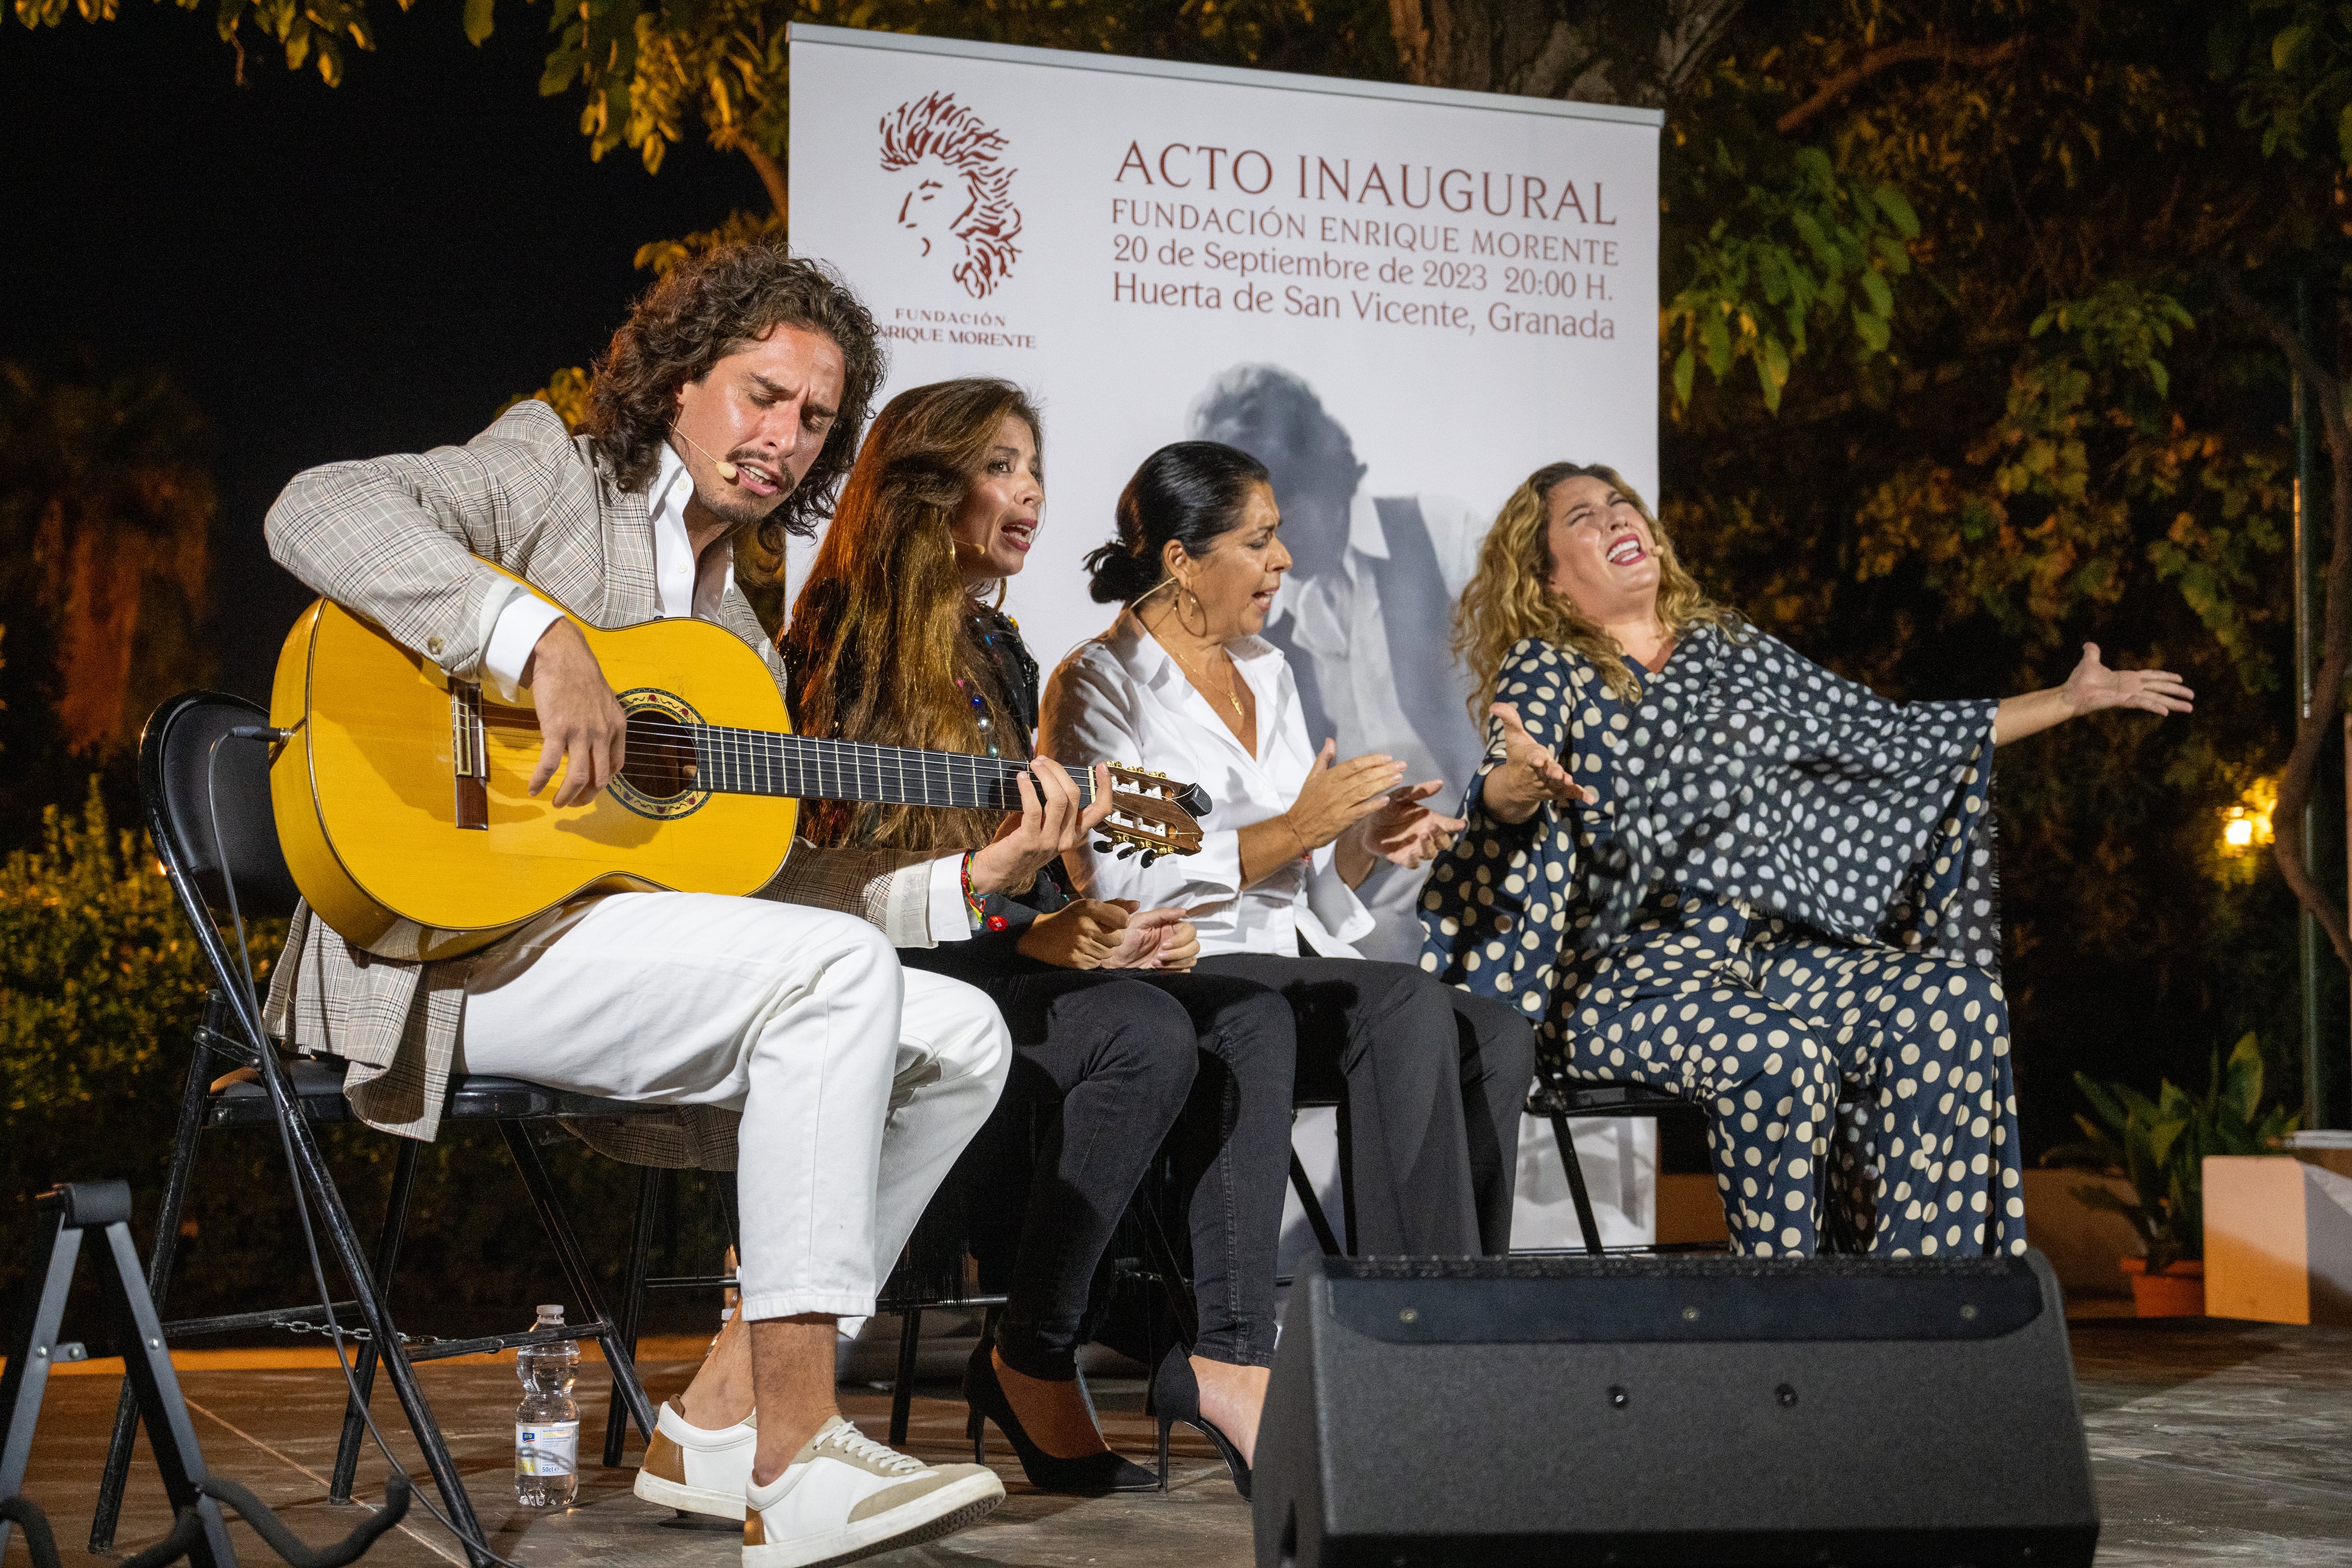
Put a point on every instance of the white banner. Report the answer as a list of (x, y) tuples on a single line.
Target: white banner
[(1401, 300)]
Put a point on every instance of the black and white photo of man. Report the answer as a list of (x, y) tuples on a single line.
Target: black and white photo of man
[(1366, 611)]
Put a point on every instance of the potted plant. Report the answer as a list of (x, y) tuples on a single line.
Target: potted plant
[(2159, 1146)]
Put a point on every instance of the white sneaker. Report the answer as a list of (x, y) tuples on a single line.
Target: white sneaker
[(698, 1470), (844, 1497)]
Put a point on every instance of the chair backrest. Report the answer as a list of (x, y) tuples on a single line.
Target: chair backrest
[(185, 789)]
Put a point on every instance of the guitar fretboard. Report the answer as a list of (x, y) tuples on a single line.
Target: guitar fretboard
[(757, 762)]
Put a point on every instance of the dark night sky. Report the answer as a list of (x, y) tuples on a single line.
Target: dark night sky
[(330, 272)]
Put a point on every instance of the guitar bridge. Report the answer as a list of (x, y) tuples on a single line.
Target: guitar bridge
[(469, 757)]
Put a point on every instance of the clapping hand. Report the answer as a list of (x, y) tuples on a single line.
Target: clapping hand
[(1338, 795), (2093, 686), (1406, 833)]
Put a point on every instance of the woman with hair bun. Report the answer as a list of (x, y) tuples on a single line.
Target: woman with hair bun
[(894, 641), (1430, 1081), (1703, 862)]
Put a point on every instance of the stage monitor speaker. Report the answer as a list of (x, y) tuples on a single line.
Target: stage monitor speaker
[(1684, 1411)]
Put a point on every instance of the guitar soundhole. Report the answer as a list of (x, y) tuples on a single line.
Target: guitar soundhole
[(658, 759)]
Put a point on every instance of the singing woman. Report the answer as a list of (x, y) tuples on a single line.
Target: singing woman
[(893, 641), (1430, 1081), (1701, 862)]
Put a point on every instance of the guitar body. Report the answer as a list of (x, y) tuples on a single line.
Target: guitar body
[(401, 801)]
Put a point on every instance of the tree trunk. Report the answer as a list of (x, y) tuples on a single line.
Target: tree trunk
[(2324, 393), (1620, 52), (772, 175)]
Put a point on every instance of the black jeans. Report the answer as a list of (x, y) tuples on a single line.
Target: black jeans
[(1124, 1061), (1430, 1081)]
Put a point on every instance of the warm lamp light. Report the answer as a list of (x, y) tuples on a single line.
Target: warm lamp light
[(2246, 825)]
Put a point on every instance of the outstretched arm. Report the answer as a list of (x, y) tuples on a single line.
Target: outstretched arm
[(1529, 775), (2092, 687)]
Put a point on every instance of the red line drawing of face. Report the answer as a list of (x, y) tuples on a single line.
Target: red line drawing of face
[(955, 190)]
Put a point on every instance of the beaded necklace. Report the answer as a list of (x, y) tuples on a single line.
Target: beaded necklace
[(999, 637), (979, 714)]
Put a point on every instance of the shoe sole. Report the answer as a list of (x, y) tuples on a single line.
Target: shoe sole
[(981, 1494), (689, 1499)]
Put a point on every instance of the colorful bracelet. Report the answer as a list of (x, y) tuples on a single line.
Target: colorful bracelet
[(972, 904)]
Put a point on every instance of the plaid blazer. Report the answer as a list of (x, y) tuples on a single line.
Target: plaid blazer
[(396, 538)]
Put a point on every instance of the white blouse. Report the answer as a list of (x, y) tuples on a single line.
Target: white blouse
[(1120, 698)]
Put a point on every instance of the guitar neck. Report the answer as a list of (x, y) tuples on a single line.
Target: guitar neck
[(758, 762)]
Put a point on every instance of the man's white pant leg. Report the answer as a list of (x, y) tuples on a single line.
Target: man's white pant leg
[(813, 1136), (953, 1055), (787, 1014)]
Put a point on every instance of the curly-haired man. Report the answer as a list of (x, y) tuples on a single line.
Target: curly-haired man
[(730, 400)]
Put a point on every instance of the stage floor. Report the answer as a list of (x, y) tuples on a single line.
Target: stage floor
[(2212, 1443)]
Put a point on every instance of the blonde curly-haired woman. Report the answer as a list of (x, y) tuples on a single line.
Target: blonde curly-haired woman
[(1702, 862)]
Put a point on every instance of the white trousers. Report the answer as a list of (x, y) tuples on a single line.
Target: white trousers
[(858, 1083)]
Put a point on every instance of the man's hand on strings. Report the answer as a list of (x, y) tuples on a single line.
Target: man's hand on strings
[(580, 720), (1050, 821)]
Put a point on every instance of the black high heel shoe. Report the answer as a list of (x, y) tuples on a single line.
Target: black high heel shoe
[(1095, 1474), (1176, 1396)]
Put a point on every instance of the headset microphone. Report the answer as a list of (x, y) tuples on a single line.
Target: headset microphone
[(727, 470)]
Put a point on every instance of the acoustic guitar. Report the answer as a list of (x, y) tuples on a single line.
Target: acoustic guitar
[(401, 801)]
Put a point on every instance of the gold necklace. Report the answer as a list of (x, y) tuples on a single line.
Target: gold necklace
[(1200, 683)]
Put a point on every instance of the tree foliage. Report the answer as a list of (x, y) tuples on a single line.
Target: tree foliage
[(102, 985), (1987, 295), (107, 509)]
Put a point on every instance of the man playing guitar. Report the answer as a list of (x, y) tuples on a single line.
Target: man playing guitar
[(731, 398)]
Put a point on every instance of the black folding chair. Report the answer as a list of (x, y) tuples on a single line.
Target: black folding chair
[(1316, 1221), (208, 806), (1560, 1100)]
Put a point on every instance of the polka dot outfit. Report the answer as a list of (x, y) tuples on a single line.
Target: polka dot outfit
[(1782, 906)]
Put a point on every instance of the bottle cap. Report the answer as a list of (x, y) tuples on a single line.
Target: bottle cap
[(553, 1309)]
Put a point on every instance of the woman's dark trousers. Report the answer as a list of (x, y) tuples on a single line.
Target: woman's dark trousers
[(1431, 1082), (1117, 1060)]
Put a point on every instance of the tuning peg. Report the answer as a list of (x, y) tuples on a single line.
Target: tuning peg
[(1125, 850), (1101, 845), (1149, 857)]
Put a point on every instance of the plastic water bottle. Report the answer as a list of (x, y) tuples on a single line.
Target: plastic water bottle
[(547, 1422)]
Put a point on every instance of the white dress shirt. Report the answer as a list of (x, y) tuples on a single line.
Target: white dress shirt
[(1335, 620), (686, 587), (1337, 625), (1121, 696)]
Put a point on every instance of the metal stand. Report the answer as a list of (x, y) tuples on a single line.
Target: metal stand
[(201, 1532), (105, 1206)]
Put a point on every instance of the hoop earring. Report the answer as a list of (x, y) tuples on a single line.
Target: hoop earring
[(1204, 632)]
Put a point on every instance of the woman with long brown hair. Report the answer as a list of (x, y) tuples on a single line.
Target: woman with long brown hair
[(893, 641), (1699, 860)]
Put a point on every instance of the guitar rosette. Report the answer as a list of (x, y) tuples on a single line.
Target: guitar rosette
[(660, 763)]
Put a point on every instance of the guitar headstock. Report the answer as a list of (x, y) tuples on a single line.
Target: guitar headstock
[(1153, 814)]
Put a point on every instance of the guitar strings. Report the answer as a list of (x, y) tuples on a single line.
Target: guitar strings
[(860, 761), (757, 751)]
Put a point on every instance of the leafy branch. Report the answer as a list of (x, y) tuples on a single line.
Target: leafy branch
[(1784, 261)]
